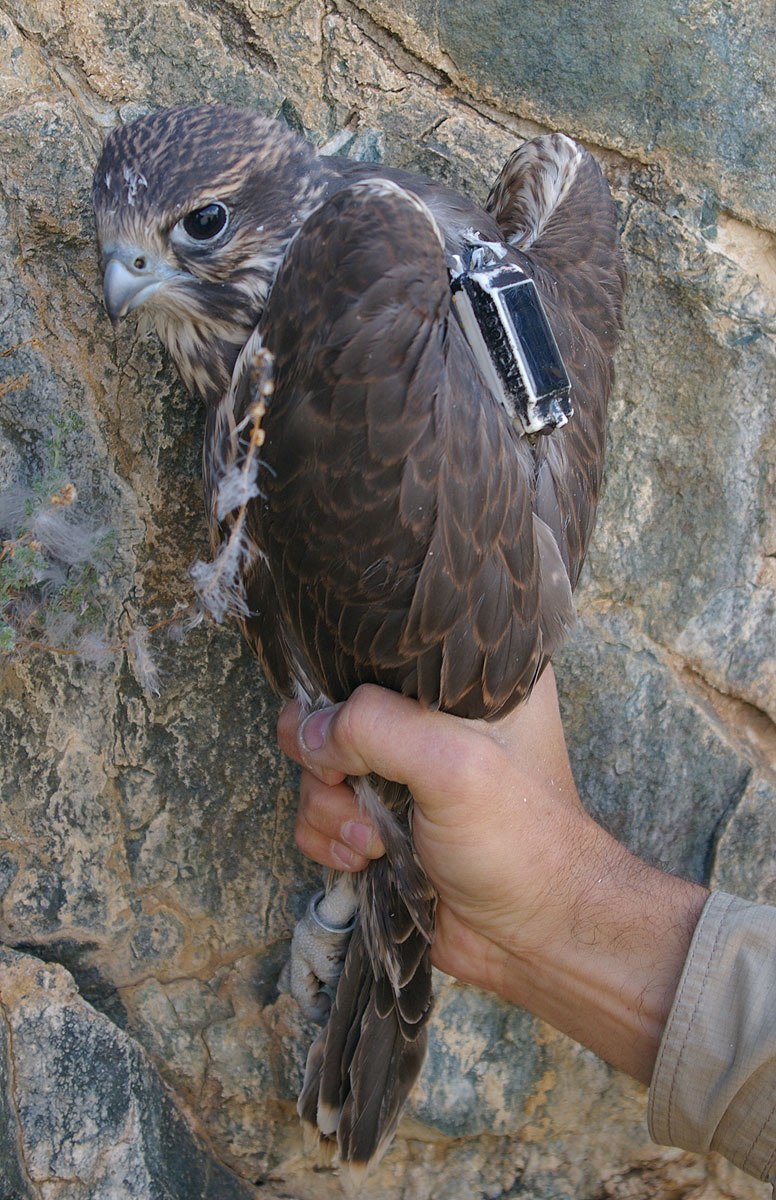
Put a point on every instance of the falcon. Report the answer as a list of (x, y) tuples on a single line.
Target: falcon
[(405, 399)]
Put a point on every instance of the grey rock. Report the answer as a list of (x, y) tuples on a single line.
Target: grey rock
[(15, 1183), (691, 82), (691, 434), (484, 1060), (652, 768), (88, 1117), (744, 861)]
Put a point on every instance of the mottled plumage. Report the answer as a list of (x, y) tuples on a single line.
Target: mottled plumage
[(401, 531)]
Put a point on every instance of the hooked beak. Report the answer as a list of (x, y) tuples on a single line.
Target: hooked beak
[(130, 278)]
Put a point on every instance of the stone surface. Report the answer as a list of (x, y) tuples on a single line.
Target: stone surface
[(690, 82), (86, 1114), (653, 768), (146, 839)]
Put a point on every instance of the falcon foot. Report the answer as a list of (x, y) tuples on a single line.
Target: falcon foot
[(318, 948)]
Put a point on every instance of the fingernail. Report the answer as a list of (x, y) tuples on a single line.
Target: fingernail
[(313, 730), (357, 835)]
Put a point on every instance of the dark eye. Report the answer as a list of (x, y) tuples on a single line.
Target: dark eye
[(206, 223)]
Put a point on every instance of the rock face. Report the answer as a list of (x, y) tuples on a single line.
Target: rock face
[(145, 812), (86, 1107)]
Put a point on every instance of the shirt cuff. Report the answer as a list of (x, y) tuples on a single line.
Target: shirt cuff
[(714, 1082)]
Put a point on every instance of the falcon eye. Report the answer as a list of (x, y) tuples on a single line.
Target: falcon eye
[(204, 224)]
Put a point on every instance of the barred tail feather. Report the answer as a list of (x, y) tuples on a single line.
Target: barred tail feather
[(551, 201), (363, 1064)]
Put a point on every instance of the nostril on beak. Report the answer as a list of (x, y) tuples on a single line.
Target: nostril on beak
[(129, 280)]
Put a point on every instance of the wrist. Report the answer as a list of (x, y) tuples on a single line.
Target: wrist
[(615, 940)]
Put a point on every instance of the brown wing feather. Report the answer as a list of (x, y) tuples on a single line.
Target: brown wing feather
[(551, 201), (396, 510), (554, 207), (398, 500)]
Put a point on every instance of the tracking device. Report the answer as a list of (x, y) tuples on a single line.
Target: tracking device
[(503, 318)]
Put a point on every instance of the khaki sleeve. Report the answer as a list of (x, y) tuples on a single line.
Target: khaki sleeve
[(714, 1083)]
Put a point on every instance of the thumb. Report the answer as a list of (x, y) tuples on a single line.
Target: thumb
[(380, 731)]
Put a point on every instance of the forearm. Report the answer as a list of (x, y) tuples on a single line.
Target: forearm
[(609, 976)]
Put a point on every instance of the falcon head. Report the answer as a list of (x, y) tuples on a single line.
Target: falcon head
[(195, 208)]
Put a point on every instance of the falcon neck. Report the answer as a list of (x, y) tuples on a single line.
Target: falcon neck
[(205, 356)]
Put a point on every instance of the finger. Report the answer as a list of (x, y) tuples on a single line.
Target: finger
[(323, 850), (533, 734), (382, 731), (328, 828), (290, 720), (334, 813)]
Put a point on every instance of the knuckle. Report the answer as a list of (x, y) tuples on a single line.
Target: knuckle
[(287, 729), (346, 858), (325, 807), (314, 802), (307, 782), (358, 717), (313, 845)]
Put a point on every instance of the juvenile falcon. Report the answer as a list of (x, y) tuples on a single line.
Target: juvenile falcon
[(402, 523)]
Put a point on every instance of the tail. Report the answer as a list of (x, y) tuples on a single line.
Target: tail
[(363, 1064), (552, 202)]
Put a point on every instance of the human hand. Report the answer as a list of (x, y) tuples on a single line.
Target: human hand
[(536, 901), (494, 803)]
